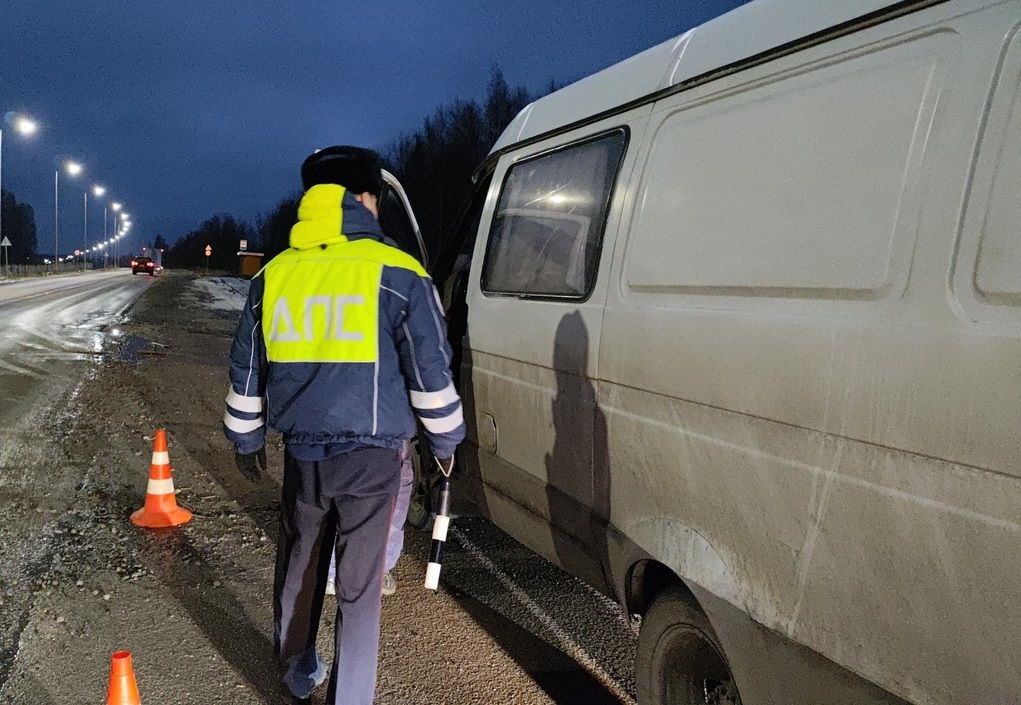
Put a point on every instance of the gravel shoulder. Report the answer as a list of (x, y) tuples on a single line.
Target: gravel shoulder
[(194, 604)]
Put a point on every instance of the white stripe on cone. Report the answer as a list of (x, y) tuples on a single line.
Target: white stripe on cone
[(160, 457), (160, 486)]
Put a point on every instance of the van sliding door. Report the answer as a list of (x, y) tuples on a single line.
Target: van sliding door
[(535, 306)]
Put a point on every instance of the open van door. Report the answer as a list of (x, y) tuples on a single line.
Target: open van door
[(397, 219), (398, 223)]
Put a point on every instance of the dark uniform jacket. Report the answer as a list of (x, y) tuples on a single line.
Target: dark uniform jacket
[(342, 341)]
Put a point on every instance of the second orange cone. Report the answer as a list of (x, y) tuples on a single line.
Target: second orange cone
[(122, 689), (160, 510)]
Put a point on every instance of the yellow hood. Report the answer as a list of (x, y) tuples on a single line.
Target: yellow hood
[(320, 217)]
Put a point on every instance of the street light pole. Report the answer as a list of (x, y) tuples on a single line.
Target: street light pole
[(73, 169), (116, 208), (56, 218), (85, 231)]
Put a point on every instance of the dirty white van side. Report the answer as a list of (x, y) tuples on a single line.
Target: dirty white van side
[(744, 350)]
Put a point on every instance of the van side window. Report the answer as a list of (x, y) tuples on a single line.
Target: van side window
[(548, 227)]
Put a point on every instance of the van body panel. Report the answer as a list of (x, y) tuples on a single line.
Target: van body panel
[(797, 384), (832, 439), (740, 34), (869, 556), (640, 75), (775, 670), (987, 276), (786, 132)]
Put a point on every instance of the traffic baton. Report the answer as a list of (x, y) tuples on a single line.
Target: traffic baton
[(440, 526)]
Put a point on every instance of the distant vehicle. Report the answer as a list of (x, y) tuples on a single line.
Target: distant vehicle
[(744, 350), (156, 255), (145, 265)]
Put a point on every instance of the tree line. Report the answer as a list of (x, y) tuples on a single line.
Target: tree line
[(434, 163), (17, 224)]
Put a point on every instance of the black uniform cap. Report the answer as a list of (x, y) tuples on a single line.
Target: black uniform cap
[(354, 168)]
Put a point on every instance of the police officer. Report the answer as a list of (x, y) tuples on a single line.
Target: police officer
[(341, 344)]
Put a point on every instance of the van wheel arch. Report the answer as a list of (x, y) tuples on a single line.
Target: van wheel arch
[(646, 579), (679, 656)]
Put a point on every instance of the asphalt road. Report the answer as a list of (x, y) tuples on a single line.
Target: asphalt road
[(86, 386), (48, 324)]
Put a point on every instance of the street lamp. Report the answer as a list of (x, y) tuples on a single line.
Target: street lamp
[(115, 207), (25, 127), (73, 169), (98, 192)]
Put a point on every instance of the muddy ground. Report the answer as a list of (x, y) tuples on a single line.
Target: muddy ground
[(194, 604)]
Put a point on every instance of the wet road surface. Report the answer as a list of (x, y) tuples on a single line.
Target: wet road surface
[(52, 330), (49, 323), (194, 604)]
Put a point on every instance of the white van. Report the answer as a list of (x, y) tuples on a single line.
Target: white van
[(744, 350)]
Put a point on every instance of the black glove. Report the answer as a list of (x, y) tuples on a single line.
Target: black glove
[(251, 465)]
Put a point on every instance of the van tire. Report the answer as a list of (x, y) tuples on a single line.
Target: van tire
[(680, 661)]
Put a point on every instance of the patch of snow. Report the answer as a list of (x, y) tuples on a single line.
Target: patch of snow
[(222, 293)]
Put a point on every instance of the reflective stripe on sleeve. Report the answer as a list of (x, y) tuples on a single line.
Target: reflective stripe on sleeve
[(241, 425), (434, 400), (251, 405), (160, 486), (445, 424), (160, 457)]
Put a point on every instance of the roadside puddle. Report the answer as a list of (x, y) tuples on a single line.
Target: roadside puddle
[(134, 348)]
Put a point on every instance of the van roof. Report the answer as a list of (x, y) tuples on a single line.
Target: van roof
[(740, 34)]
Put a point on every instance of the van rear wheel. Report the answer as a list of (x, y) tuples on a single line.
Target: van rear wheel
[(680, 660)]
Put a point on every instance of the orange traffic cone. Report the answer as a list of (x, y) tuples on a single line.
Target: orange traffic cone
[(122, 689), (160, 510)]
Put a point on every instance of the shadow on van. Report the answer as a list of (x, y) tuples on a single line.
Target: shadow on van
[(577, 471)]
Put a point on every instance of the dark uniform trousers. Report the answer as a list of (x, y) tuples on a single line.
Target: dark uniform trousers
[(347, 499)]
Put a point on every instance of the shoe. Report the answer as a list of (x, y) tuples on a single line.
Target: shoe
[(389, 584), (331, 588), (288, 699)]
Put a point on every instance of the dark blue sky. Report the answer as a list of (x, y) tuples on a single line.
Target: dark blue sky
[(188, 107)]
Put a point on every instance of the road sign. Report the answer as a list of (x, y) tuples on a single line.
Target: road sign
[(5, 242), (244, 245), (209, 250)]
